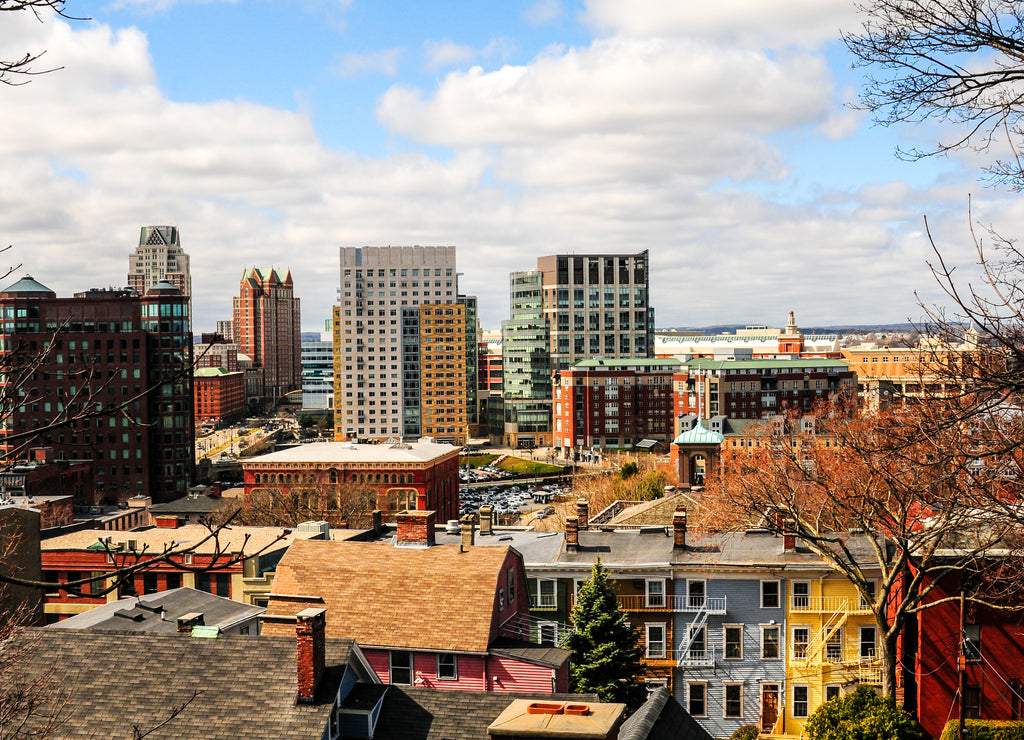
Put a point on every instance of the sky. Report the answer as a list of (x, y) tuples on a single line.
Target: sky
[(717, 136)]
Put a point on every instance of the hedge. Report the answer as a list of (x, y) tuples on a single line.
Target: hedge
[(984, 729)]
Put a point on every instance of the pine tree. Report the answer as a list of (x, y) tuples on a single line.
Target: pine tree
[(606, 650)]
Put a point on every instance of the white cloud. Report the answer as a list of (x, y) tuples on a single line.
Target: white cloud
[(382, 61), (621, 145), (543, 11), (751, 22), (447, 53)]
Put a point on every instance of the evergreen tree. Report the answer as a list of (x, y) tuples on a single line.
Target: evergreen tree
[(606, 650)]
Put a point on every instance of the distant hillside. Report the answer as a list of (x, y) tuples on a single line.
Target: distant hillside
[(841, 329)]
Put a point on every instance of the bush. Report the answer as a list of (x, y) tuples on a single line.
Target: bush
[(985, 729), (628, 470), (862, 715), (747, 732)]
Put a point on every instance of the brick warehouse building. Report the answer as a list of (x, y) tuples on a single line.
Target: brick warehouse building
[(614, 403), (123, 353), (219, 395), (421, 475)]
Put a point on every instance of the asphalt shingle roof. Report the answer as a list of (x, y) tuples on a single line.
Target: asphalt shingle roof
[(246, 686), (436, 598)]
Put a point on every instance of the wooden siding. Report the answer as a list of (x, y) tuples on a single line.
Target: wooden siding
[(515, 675), (512, 675)]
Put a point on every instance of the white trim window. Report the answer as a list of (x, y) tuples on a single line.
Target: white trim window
[(801, 594), (655, 593), (771, 594), (547, 633), (770, 643), (697, 698), (801, 641), (654, 639), (547, 593), (833, 691), (732, 639), (447, 667), (801, 701), (732, 701), (834, 646)]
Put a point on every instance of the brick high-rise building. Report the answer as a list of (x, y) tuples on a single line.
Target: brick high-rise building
[(266, 327), (159, 256), (377, 337), (114, 383)]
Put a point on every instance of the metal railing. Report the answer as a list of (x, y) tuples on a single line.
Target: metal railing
[(682, 603)]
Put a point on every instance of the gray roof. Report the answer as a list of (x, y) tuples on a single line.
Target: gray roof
[(28, 284), (535, 547), (159, 612), (118, 681), (412, 713), (530, 652), (662, 718), (192, 505)]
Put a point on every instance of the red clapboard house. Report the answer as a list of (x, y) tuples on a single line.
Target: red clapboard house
[(439, 616)]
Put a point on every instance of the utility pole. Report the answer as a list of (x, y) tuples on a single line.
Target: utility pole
[(961, 666)]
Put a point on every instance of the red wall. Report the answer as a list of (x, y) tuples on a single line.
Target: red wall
[(512, 675), (1002, 663)]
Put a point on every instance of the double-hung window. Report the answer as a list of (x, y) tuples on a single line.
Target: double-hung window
[(655, 593), (733, 638), (447, 666), (401, 667), (655, 640)]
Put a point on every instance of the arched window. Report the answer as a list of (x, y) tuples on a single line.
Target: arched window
[(333, 476)]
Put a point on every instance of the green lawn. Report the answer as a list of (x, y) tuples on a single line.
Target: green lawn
[(527, 467), (476, 461)]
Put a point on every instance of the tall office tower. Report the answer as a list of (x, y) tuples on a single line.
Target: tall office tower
[(115, 372), (571, 308), (159, 256), (267, 327), (473, 417), (317, 371), (377, 333)]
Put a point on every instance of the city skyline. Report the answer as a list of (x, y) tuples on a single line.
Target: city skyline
[(271, 135)]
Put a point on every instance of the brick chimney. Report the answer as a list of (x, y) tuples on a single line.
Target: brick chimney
[(485, 520), (679, 529), (582, 512), (789, 540), (416, 528), (468, 532), (572, 534), (187, 621), (310, 645)]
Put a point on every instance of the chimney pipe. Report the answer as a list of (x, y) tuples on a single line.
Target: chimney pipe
[(485, 520), (378, 521), (679, 529), (572, 536), (468, 532), (582, 511), (310, 652)]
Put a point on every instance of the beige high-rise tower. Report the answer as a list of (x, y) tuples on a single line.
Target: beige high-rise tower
[(159, 256)]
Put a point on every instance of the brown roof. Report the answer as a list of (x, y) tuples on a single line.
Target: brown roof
[(231, 539), (436, 598)]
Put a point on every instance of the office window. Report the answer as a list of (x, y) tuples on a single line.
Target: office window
[(696, 701), (447, 666), (770, 595), (733, 641), (655, 593), (770, 642), (800, 701), (733, 702), (655, 640), (400, 667)]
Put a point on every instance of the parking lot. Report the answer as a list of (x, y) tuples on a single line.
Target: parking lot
[(507, 500)]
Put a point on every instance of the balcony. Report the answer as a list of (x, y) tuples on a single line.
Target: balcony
[(826, 605), (546, 603), (681, 604)]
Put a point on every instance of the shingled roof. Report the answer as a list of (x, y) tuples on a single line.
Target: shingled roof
[(245, 686), (436, 598)]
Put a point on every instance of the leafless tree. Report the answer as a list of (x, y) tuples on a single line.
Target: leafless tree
[(893, 501), (19, 70), (954, 62), (340, 505)]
